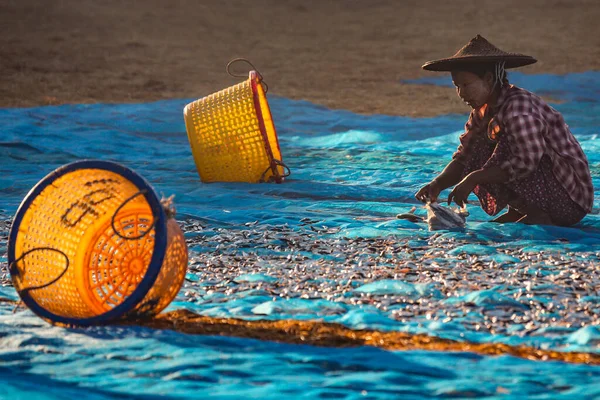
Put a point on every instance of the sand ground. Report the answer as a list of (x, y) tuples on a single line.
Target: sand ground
[(349, 54)]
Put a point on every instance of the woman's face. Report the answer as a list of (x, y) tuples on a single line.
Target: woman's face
[(472, 89)]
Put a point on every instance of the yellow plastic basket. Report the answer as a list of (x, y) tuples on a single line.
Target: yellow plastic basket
[(233, 137), (91, 243)]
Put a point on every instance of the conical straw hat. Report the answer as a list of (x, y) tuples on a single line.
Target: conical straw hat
[(479, 50)]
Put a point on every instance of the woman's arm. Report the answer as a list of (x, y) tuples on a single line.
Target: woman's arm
[(493, 174), (450, 176)]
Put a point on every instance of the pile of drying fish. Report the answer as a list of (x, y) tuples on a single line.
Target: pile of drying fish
[(534, 292)]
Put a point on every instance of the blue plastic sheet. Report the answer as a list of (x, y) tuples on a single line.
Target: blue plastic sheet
[(43, 362), (344, 167)]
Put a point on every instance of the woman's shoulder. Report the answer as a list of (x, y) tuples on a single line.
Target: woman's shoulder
[(518, 101), (515, 94)]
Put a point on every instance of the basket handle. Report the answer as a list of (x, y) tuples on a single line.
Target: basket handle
[(259, 75), (14, 270), (276, 176), (127, 200)]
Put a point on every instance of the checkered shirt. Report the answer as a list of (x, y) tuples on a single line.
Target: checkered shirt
[(532, 129)]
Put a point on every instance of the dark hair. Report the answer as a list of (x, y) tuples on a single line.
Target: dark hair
[(480, 69)]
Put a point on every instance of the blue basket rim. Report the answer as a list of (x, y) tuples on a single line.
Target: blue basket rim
[(158, 254)]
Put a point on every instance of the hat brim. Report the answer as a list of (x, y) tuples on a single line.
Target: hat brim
[(454, 63)]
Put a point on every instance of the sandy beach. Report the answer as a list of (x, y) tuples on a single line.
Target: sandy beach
[(341, 54)]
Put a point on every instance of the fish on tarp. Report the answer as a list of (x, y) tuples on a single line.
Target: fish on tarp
[(438, 216), (411, 216)]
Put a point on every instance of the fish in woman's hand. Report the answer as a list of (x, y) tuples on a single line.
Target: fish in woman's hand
[(438, 216)]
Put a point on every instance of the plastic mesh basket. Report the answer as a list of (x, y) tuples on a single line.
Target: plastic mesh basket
[(91, 243), (232, 135)]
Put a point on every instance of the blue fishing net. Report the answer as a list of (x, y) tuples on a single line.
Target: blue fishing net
[(351, 175)]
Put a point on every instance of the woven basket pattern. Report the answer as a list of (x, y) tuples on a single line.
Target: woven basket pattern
[(224, 130), (171, 276)]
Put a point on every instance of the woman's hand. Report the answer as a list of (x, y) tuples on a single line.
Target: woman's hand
[(461, 191), (429, 192)]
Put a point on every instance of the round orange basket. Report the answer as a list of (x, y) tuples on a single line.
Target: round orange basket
[(92, 243)]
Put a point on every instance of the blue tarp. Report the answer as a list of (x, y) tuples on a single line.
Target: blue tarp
[(343, 166)]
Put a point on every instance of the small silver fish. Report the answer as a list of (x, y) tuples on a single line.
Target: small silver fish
[(440, 217), (411, 216)]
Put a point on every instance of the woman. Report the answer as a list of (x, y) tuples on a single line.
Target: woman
[(516, 150)]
